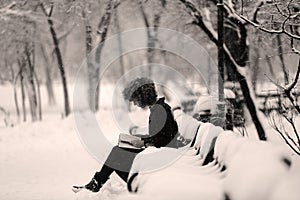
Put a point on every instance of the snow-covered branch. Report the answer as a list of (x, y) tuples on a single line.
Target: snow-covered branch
[(9, 11), (8, 7), (45, 11), (254, 22), (103, 24), (271, 31), (208, 29)]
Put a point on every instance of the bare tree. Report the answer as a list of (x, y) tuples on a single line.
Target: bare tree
[(28, 12), (87, 17), (48, 72), (199, 20), (286, 114), (287, 12), (118, 29), (280, 54), (151, 30), (149, 35), (256, 64), (58, 54), (6, 116), (102, 29), (31, 86), (88, 49), (21, 64)]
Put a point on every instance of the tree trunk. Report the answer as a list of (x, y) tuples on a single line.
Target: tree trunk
[(235, 39), (16, 99), (90, 66), (39, 96), (31, 90), (59, 58), (23, 97), (49, 83), (117, 24), (102, 33), (121, 58), (21, 72), (97, 90), (151, 42), (6, 116), (269, 63), (36, 80), (251, 107), (60, 66), (220, 46), (280, 53), (14, 83), (255, 65)]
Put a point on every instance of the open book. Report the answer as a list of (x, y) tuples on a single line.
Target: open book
[(130, 141)]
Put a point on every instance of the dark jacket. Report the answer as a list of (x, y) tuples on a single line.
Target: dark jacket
[(162, 125)]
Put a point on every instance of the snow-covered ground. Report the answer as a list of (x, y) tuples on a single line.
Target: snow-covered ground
[(42, 160)]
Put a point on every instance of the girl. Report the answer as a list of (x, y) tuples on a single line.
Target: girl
[(162, 130)]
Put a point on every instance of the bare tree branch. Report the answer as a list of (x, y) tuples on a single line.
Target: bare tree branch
[(9, 6), (271, 31), (293, 84), (257, 9), (51, 9), (274, 125), (141, 4), (275, 83), (288, 89), (278, 9), (291, 121), (7, 10)]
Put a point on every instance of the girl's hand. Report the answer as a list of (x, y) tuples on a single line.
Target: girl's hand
[(137, 143)]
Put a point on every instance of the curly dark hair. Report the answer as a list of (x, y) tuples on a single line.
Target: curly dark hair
[(142, 91)]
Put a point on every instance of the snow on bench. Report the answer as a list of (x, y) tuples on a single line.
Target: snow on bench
[(241, 168), (161, 171), (253, 168)]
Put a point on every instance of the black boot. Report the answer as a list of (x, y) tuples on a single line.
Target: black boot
[(93, 186), (96, 183)]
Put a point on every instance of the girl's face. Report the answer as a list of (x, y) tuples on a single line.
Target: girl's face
[(139, 104)]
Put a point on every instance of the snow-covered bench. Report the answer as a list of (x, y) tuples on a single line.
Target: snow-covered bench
[(161, 171), (241, 168), (254, 169)]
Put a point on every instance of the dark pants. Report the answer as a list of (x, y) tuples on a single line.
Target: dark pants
[(120, 161)]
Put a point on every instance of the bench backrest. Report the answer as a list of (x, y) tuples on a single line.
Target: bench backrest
[(187, 125)]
